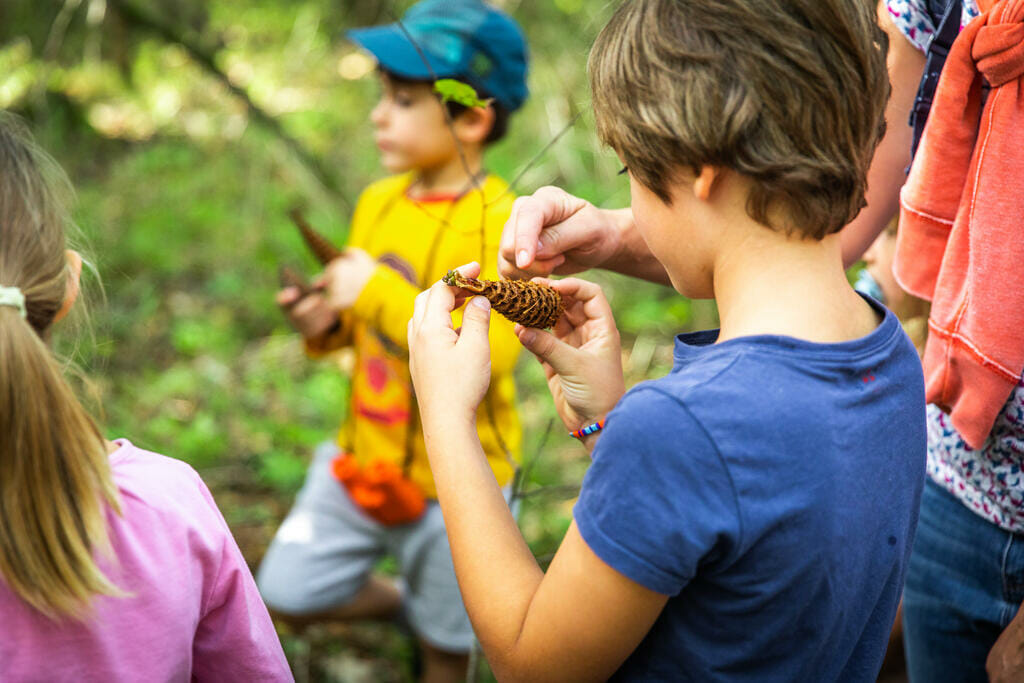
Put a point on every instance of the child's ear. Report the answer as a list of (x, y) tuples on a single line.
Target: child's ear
[(72, 289), (705, 181), (475, 124)]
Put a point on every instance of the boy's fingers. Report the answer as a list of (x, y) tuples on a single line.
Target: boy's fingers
[(305, 306), (595, 304), (582, 290), (549, 264), (471, 269), (288, 296), (563, 327), (475, 322), (557, 354), (524, 222), (530, 216), (560, 238), (438, 306), (507, 242), (541, 266), (418, 308)]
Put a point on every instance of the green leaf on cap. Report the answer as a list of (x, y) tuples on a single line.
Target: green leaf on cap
[(451, 90)]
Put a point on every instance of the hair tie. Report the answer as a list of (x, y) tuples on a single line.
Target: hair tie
[(12, 296)]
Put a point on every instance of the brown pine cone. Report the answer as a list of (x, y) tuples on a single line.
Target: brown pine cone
[(527, 303), (324, 251)]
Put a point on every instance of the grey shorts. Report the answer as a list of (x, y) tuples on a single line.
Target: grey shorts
[(326, 548)]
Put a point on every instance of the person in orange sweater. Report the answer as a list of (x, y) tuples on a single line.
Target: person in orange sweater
[(960, 247)]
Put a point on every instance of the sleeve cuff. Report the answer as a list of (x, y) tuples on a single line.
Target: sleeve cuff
[(625, 562)]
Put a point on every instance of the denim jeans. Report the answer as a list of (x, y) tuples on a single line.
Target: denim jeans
[(964, 585)]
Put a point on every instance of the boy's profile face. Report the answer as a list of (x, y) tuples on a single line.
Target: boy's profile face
[(410, 128)]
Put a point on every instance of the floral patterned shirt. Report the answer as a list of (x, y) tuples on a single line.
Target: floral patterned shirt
[(988, 481), (915, 22)]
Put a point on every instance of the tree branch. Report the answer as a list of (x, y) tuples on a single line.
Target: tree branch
[(205, 58)]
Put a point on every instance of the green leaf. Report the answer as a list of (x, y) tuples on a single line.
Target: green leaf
[(451, 90)]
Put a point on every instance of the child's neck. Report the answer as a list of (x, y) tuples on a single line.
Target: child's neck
[(770, 283), (454, 177)]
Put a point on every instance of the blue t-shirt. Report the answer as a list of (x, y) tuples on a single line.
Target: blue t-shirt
[(770, 486)]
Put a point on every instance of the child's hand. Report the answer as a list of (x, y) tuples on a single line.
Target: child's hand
[(451, 369), (582, 359), (344, 278), (551, 231), (309, 315)]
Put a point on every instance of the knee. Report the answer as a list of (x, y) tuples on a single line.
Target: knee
[(284, 593), (291, 590)]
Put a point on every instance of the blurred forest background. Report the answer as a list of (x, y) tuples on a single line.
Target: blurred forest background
[(189, 128)]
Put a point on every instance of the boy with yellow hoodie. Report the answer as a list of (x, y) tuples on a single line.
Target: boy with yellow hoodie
[(372, 493)]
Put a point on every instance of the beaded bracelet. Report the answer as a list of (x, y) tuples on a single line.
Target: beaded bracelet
[(589, 429)]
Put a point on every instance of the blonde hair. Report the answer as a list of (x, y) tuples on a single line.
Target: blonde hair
[(790, 93), (56, 484)]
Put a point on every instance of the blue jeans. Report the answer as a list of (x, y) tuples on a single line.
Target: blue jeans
[(964, 585)]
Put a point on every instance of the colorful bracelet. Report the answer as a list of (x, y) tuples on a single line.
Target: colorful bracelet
[(589, 429)]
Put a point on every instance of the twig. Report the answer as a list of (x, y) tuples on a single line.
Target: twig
[(54, 40), (532, 162), (523, 473), (473, 666), (564, 492)]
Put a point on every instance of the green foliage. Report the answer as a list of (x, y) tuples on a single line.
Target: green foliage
[(451, 90)]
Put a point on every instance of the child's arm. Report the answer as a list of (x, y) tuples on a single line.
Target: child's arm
[(581, 619), (888, 166), (1005, 661)]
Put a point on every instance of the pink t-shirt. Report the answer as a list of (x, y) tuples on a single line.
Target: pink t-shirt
[(193, 611)]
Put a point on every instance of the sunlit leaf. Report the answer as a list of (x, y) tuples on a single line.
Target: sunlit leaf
[(451, 90)]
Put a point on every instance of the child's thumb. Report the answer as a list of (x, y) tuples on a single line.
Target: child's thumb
[(548, 348), (475, 321)]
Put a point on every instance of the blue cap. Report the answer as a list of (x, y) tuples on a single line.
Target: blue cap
[(463, 39)]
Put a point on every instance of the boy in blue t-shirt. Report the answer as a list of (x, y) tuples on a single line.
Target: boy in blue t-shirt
[(749, 516)]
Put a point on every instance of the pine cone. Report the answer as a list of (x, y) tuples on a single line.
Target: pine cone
[(324, 251), (527, 303)]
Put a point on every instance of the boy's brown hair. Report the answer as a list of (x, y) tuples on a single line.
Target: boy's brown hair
[(790, 93)]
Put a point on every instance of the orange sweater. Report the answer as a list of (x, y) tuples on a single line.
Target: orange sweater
[(961, 242)]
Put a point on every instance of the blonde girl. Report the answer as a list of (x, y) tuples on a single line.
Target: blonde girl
[(115, 564)]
